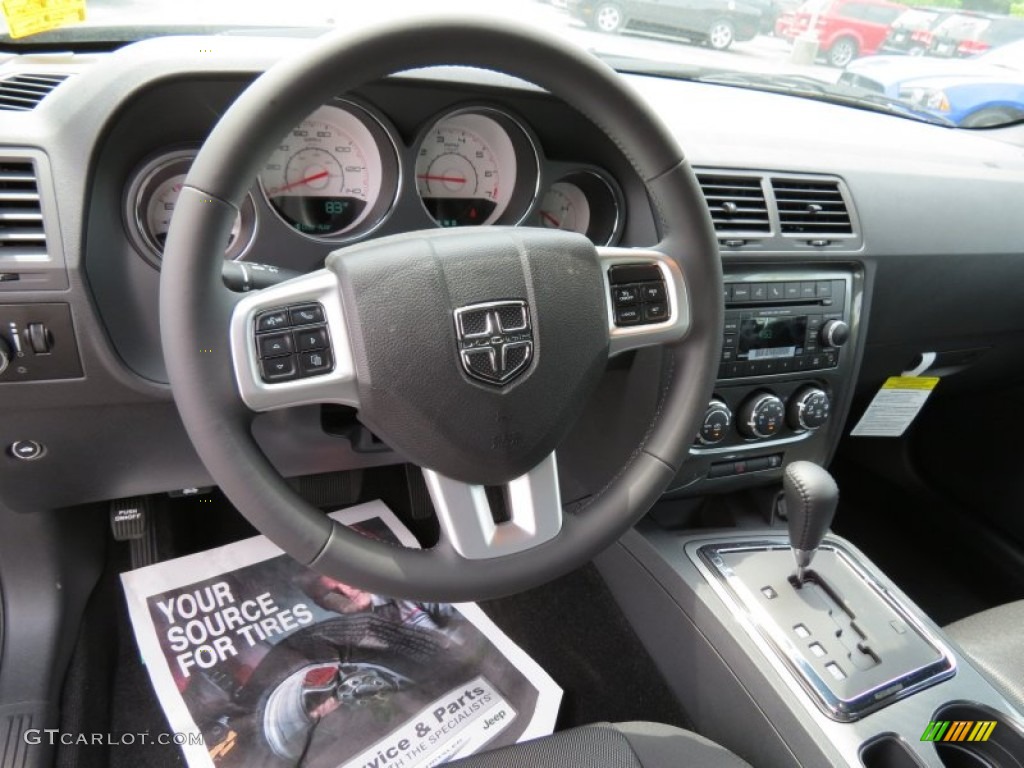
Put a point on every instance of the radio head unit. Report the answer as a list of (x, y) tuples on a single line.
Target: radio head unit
[(782, 326)]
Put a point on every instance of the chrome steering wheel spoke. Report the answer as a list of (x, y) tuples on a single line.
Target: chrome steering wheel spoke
[(290, 345), (531, 503), (659, 317)]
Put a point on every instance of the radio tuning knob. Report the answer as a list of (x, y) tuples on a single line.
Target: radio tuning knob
[(835, 333), (761, 416), (717, 420), (808, 409)]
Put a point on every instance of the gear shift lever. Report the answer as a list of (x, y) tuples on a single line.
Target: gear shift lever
[(811, 497)]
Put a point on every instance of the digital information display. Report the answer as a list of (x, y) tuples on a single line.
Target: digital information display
[(763, 338)]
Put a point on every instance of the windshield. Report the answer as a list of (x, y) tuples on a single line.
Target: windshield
[(857, 53)]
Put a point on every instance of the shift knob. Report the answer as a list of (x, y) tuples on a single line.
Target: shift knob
[(811, 497)]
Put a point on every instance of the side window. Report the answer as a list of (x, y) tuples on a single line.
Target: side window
[(881, 14), (857, 11)]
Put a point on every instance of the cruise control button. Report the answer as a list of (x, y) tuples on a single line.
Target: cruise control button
[(279, 369), (316, 362), (312, 338), (274, 345), (652, 292), (655, 313), (627, 316), (307, 314), (625, 295), (272, 320)]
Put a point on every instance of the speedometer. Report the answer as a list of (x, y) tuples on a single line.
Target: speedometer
[(469, 169), (327, 176)]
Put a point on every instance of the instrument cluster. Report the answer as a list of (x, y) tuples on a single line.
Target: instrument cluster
[(340, 174)]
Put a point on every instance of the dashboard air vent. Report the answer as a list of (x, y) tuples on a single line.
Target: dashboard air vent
[(21, 93), (737, 204), (21, 217), (811, 207)]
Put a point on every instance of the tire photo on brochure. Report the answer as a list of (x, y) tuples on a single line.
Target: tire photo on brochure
[(331, 683)]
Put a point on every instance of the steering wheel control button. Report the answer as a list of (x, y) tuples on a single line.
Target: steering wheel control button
[(273, 320), (625, 295), (655, 313), (27, 450), (628, 316), (633, 273), (653, 292), (278, 369), (311, 338), (316, 362), (274, 345), (638, 303), (306, 315)]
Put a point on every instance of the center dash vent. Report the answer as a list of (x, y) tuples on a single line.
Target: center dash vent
[(813, 207), (21, 218), (21, 93), (737, 204)]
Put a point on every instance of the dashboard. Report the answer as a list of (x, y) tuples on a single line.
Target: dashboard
[(929, 238)]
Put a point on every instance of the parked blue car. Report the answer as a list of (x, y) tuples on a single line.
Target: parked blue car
[(972, 93)]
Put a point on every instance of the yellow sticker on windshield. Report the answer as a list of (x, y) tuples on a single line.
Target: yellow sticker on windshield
[(30, 17)]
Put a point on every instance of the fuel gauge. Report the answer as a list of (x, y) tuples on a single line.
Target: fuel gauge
[(584, 201)]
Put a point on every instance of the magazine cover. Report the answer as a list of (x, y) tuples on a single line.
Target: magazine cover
[(275, 665)]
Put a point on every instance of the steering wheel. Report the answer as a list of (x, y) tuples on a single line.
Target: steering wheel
[(470, 352)]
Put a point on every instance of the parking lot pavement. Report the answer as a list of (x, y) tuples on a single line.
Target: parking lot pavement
[(763, 54)]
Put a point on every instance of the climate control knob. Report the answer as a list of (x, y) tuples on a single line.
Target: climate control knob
[(835, 333), (808, 409), (717, 420), (761, 416)]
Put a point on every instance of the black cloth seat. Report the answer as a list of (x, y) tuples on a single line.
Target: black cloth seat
[(605, 745), (994, 641)]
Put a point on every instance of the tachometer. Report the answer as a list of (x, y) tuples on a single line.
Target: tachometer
[(150, 200), (327, 176), (471, 168)]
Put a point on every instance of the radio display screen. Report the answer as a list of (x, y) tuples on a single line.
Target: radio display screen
[(763, 338)]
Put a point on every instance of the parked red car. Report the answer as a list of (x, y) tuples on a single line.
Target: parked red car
[(846, 28)]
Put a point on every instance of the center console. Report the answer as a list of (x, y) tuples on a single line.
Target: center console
[(789, 353)]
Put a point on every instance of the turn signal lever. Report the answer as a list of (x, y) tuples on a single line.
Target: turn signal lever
[(811, 496), (244, 276)]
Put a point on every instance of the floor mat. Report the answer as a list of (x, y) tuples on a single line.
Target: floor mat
[(572, 627)]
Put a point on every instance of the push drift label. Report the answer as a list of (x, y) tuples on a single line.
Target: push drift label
[(456, 725)]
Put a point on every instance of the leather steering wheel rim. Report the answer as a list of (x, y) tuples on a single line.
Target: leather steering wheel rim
[(196, 308)]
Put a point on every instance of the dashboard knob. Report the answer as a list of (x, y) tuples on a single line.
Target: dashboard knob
[(5, 354), (808, 409), (717, 420), (761, 416), (835, 333)]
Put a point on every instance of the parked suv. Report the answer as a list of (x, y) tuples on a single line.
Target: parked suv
[(718, 23), (846, 28), (970, 34), (914, 30)]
